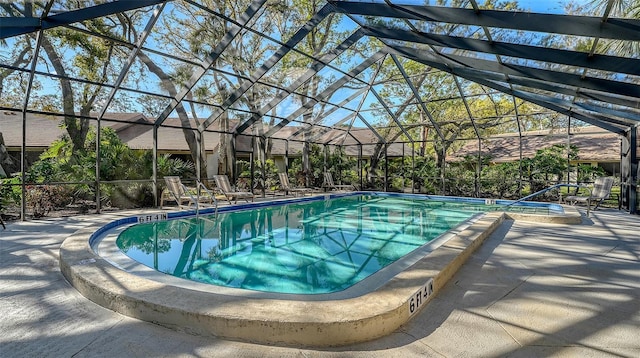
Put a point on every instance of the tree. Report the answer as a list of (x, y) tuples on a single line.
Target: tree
[(549, 165), (169, 85), (321, 40), (5, 159), (501, 180), (201, 33), (19, 56), (91, 59), (619, 8)]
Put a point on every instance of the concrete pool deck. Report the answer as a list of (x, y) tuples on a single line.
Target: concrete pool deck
[(530, 290)]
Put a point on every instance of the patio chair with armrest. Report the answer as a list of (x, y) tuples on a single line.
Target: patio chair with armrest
[(224, 187), (284, 183), (600, 192), (330, 185), (187, 197)]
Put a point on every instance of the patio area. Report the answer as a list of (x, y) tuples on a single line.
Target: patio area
[(103, 101), (529, 290)]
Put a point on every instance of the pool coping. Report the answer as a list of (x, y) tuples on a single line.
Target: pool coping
[(254, 318)]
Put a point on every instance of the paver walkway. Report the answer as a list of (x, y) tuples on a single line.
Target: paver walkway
[(531, 290)]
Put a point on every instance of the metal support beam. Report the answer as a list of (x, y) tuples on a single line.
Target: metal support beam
[(315, 67), (358, 109), (413, 171), (564, 89), (252, 167), (262, 150), (329, 91), (23, 149), (386, 167), (373, 130), (393, 116), (493, 70), (25, 105), (350, 134), (251, 11), (286, 156), (123, 72), (633, 158), (417, 96), (155, 165), (320, 116), (475, 129), (325, 151), (520, 146), (614, 64), (326, 130), (560, 106), (587, 26), (267, 65), (481, 78), (10, 28), (360, 165)]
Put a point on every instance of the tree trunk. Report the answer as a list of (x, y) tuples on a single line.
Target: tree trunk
[(424, 134), (223, 144), (5, 159), (188, 132), (76, 127)]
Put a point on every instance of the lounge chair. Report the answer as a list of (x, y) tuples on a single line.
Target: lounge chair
[(222, 182), (330, 185), (600, 192), (284, 183), (186, 197)]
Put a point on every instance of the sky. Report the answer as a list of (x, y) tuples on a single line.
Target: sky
[(544, 6)]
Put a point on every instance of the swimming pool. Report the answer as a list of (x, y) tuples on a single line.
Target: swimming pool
[(315, 246), (309, 247), (371, 308)]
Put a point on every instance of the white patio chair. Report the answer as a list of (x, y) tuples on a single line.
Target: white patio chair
[(330, 185), (284, 183), (600, 192), (224, 186), (186, 197)]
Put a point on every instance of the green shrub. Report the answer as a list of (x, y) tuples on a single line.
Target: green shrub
[(9, 194), (500, 180), (271, 180), (117, 162), (41, 199)]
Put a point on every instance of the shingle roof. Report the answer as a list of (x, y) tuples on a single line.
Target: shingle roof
[(134, 129), (43, 130), (593, 144)]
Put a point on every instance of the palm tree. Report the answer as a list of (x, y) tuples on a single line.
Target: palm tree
[(616, 8)]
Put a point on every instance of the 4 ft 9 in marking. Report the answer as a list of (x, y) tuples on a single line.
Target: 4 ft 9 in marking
[(420, 297)]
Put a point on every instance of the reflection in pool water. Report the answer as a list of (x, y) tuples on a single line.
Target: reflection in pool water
[(304, 248)]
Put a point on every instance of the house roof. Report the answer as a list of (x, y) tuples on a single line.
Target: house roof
[(43, 130), (136, 131), (594, 145)]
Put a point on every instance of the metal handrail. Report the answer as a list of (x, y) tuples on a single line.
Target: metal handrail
[(200, 186), (555, 186)]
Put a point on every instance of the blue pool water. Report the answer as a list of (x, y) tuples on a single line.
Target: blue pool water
[(308, 247)]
